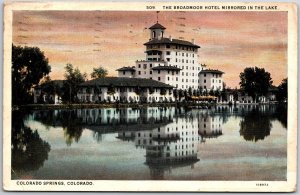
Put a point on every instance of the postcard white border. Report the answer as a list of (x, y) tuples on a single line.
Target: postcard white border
[(116, 185)]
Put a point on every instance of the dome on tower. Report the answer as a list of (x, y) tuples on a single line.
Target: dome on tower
[(157, 26)]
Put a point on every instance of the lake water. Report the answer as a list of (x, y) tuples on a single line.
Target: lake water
[(222, 143)]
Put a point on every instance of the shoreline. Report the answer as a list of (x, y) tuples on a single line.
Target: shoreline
[(124, 105)]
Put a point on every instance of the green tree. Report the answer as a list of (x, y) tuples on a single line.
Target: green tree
[(255, 81), (190, 91), (73, 78), (180, 94), (52, 88), (29, 66), (218, 93), (99, 73), (176, 93), (282, 93)]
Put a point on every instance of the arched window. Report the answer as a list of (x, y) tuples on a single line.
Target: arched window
[(153, 34)]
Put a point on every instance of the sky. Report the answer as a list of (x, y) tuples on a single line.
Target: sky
[(229, 41)]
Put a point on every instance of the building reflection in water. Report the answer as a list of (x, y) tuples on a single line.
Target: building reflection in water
[(170, 136), (174, 144)]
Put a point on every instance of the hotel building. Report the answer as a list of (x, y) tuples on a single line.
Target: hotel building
[(174, 62)]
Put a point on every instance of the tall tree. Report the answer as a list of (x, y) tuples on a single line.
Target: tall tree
[(282, 92), (99, 73), (73, 78), (29, 66), (255, 81)]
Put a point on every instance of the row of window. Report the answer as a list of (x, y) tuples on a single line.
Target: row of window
[(187, 74), (124, 73), (182, 67), (213, 81), (212, 87), (182, 54), (182, 61), (145, 66), (186, 48), (214, 75)]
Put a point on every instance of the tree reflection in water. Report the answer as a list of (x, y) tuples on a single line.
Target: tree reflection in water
[(72, 126), (255, 125), (281, 115), (29, 151)]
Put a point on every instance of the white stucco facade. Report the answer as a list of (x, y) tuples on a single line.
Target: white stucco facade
[(171, 61), (211, 80)]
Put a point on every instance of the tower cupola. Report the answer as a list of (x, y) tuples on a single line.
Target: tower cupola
[(157, 31)]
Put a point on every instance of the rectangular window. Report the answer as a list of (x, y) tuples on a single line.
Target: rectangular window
[(204, 80), (158, 71), (213, 80), (182, 80), (204, 75), (150, 65), (139, 72), (168, 52), (187, 74), (123, 72), (182, 54), (187, 54), (168, 78), (139, 66), (168, 59), (187, 80), (150, 72), (145, 66), (219, 81), (176, 78), (176, 59), (168, 46), (159, 78), (187, 67), (176, 52), (187, 61), (182, 73)]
